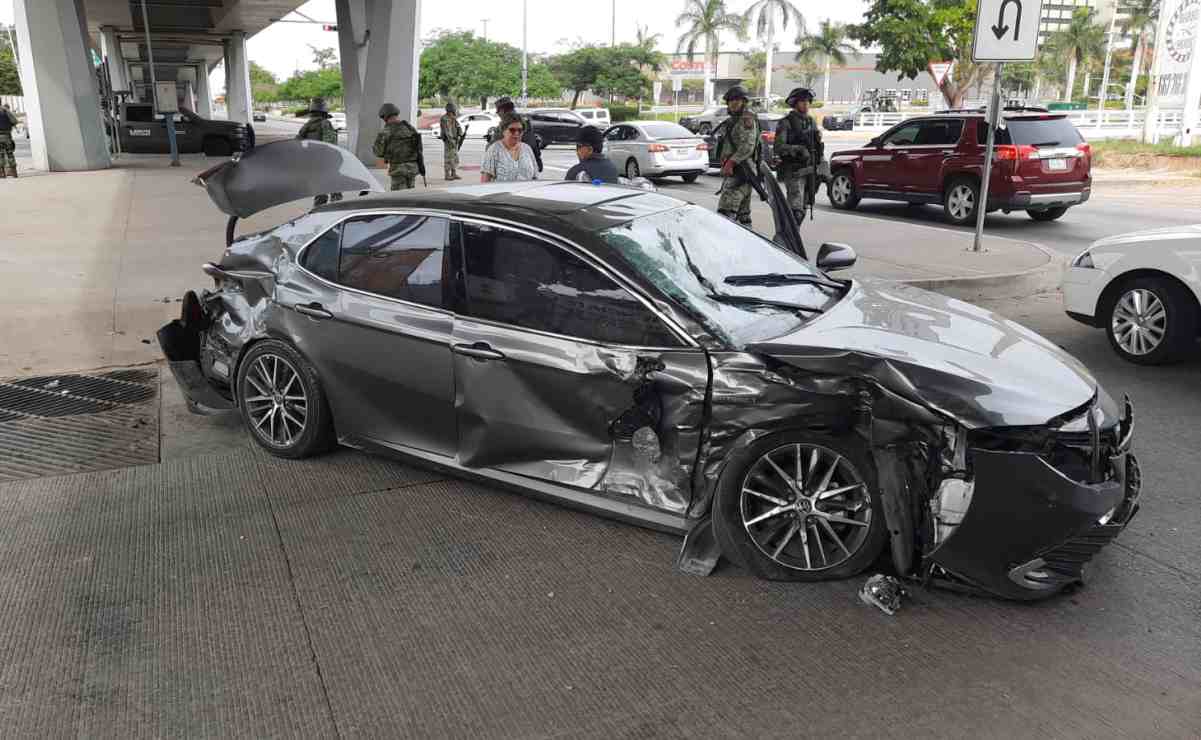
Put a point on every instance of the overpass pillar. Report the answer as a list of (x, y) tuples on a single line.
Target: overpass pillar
[(386, 72), (238, 99), (110, 47), (61, 100), (204, 99)]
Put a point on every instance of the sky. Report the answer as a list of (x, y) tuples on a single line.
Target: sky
[(553, 25)]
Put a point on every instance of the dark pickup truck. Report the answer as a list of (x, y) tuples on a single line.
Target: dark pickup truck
[(142, 132)]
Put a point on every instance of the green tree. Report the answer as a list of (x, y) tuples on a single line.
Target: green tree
[(706, 21), (462, 65), (1081, 42), (315, 83), (10, 80), (324, 57), (764, 15), (263, 83), (830, 44), (912, 33), (1141, 16), (606, 70)]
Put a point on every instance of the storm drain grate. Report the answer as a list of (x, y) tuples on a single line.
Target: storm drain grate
[(57, 424)]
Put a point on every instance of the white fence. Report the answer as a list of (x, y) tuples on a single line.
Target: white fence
[(15, 102), (1093, 124)]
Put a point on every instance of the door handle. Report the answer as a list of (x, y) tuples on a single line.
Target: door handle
[(479, 350), (313, 311)]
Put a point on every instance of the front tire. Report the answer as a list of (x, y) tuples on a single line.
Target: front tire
[(704, 129), (282, 401), (217, 147), (960, 201), (1151, 321), (841, 191), (1047, 214), (800, 506)]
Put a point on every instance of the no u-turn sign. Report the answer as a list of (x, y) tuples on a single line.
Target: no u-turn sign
[(1007, 30)]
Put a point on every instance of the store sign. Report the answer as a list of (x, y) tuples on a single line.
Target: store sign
[(1184, 22), (685, 68)]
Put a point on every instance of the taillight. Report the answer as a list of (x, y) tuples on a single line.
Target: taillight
[(1084, 149), (703, 147), (1011, 153), (657, 148), (769, 137)]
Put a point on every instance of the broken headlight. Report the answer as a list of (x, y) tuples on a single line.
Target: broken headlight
[(1084, 260), (949, 504)]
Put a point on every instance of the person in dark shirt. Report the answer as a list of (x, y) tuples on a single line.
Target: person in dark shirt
[(593, 164)]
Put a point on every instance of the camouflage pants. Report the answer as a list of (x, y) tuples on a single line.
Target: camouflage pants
[(404, 176), (735, 201), (8, 162), (450, 158), (799, 193)]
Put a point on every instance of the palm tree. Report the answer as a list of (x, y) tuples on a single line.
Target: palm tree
[(1141, 16), (1083, 39), (829, 42), (706, 20), (763, 15)]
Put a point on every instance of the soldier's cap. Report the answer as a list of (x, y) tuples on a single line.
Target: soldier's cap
[(387, 110), (451, 107), (799, 93), (505, 102), (591, 136), (734, 93), (318, 106)]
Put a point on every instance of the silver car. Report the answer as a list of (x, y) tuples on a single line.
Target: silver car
[(656, 149)]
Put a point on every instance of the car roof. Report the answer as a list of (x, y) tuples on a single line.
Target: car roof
[(560, 206)]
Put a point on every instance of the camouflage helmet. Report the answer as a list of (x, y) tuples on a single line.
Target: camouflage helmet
[(505, 102), (734, 93), (387, 110), (318, 106), (799, 93), (451, 108)]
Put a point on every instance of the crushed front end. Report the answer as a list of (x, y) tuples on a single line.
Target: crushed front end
[(1019, 511)]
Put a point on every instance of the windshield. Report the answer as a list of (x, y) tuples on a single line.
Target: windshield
[(664, 130), (688, 253)]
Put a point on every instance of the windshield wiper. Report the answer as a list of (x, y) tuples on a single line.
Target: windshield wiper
[(771, 279), (744, 300)]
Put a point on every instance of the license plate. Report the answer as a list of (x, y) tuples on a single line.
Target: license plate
[(1057, 165)]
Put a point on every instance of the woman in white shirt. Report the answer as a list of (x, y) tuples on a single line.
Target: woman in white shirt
[(509, 159)]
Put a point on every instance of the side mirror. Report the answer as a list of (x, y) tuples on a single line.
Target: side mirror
[(874, 143), (833, 256)]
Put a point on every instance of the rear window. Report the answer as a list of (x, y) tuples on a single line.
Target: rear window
[(1043, 132), (666, 131)]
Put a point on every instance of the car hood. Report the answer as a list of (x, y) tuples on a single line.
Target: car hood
[(281, 172), (1168, 233), (952, 357)]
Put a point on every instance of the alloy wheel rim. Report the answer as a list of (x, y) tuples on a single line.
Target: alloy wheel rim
[(279, 408), (842, 189), (961, 202), (1140, 321), (805, 507)]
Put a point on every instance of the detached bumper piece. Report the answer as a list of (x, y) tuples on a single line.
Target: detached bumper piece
[(1030, 529), (181, 347)]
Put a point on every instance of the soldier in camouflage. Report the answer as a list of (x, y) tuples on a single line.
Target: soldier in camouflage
[(451, 133), (399, 144), (318, 128), (739, 146), (800, 150), (8, 160)]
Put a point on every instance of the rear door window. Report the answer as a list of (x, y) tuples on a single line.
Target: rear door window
[(515, 279), (1044, 132), (321, 257), (940, 133), (396, 256)]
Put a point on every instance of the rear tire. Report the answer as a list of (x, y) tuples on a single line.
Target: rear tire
[(282, 401), (632, 169), (217, 147), (787, 530), (1151, 321), (842, 192), (690, 178), (1047, 214), (960, 200), (704, 129)]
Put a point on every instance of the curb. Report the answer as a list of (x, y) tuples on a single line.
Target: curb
[(1045, 278)]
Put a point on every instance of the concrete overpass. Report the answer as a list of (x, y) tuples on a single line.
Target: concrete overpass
[(59, 39)]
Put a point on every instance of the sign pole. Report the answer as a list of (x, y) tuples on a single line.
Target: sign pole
[(994, 114)]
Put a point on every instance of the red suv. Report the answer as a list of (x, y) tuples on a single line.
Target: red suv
[(1041, 165)]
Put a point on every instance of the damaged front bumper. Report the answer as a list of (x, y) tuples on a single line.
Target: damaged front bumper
[(1030, 528)]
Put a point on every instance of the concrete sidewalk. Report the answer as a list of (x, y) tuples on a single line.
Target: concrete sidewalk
[(93, 263)]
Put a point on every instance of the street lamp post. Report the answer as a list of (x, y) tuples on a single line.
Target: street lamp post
[(1113, 24), (525, 69), (485, 20)]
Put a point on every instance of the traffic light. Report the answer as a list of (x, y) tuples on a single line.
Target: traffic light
[(329, 28)]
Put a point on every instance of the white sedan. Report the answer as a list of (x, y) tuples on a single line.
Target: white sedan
[(338, 119), (656, 149), (1144, 289), (477, 125)]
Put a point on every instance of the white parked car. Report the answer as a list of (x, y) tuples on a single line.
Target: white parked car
[(1144, 289), (338, 119), (477, 125), (656, 149), (598, 117)]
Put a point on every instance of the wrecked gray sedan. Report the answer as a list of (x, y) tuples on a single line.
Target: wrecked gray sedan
[(628, 353)]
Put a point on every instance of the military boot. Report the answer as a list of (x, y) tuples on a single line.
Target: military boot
[(3, 173), (10, 171)]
